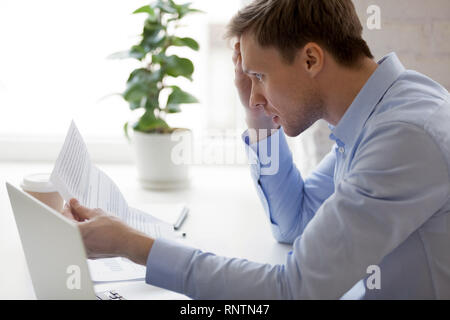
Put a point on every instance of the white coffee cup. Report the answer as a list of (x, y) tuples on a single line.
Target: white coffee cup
[(39, 186)]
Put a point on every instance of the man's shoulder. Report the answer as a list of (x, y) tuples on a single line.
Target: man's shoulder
[(413, 107), (415, 100), (412, 98)]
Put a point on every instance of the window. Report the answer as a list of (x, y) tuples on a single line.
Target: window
[(54, 68)]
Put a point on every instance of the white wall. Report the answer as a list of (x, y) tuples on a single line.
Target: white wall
[(418, 31)]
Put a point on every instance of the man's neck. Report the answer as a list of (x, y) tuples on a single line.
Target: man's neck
[(342, 87)]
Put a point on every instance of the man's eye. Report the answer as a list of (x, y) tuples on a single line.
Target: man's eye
[(258, 76)]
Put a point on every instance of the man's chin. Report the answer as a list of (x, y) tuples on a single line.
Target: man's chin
[(292, 133)]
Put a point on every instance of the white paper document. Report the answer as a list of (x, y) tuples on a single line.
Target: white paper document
[(166, 212), (115, 269), (74, 176)]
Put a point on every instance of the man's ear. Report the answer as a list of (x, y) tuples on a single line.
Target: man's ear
[(312, 58)]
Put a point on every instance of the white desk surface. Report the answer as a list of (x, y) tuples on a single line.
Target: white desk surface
[(225, 218)]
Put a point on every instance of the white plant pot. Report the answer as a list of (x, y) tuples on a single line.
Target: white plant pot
[(157, 164)]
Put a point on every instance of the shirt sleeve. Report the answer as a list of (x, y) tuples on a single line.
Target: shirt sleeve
[(288, 201), (398, 180)]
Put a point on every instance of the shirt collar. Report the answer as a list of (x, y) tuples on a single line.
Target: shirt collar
[(350, 125)]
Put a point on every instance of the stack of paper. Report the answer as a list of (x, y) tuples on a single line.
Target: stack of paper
[(75, 176)]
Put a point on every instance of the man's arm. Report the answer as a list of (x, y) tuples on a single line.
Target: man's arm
[(289, 201), (373, 210)]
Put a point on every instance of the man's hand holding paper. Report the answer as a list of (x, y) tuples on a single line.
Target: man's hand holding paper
[(106, 236)]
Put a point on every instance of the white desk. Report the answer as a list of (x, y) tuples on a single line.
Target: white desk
[(225, 218)]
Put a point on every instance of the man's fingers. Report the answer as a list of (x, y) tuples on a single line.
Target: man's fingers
[(81, 212), (234, 57), (236, 52), (239, 64), (67, 212)]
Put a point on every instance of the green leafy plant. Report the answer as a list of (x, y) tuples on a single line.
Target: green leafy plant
[(145, 84)]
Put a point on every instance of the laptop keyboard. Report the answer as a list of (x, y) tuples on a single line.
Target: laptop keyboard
[(109, 295)]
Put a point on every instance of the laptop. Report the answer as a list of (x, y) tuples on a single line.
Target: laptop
[(54, 251)]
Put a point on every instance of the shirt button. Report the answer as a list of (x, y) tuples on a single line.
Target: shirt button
[(341, 149)]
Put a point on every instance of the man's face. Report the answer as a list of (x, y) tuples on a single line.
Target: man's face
[(285, 91)]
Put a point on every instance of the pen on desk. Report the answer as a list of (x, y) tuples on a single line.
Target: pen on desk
[(181, 235), (181, 218)]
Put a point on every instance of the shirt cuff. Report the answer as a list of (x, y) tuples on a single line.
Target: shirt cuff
[(268, 157), (254, 146), (166, 264)]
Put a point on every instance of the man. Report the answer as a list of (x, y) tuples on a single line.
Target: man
[(379, 198)]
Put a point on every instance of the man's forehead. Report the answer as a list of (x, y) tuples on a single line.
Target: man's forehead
[(248, 44), (253, 55)]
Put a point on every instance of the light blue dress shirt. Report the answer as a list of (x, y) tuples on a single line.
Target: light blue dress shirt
[(380, 197)]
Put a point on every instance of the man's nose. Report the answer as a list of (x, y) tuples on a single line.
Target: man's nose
[(257, 99)]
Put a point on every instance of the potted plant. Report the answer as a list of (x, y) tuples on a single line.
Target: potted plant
[(145, 85)]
